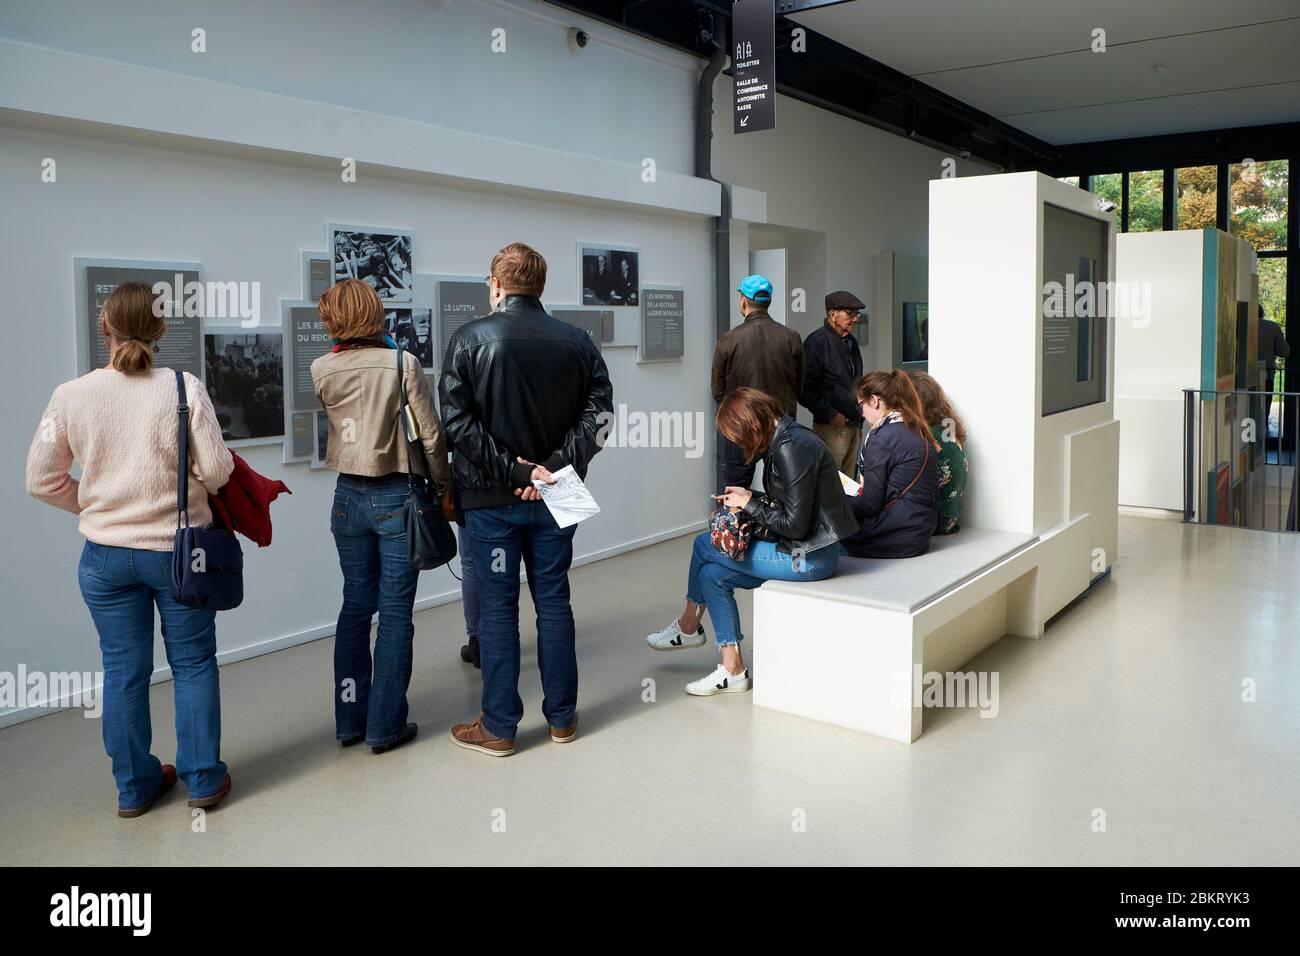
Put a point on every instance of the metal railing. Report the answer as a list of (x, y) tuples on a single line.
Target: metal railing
[(1239, 458)]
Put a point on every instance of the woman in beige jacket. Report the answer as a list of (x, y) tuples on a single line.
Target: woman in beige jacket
[(356, 383)]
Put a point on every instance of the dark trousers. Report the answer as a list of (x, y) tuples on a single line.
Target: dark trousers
[(499, 538), (731, 466)]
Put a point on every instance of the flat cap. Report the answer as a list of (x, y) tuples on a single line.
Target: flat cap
[(844, 300)]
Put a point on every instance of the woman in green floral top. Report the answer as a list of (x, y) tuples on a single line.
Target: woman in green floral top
[(950, 433)]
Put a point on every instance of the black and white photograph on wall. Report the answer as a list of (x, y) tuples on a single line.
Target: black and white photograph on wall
[(380, 258), (610, 276), (245, 379), (412, 330)]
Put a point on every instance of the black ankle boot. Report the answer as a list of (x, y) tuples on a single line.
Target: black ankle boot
[(469, 653)]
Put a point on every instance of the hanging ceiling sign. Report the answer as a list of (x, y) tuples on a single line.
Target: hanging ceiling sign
[(753, 64)]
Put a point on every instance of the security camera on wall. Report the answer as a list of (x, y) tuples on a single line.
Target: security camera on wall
[(578, 39)]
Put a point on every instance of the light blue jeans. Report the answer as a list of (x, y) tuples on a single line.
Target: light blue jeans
[(714, 577)]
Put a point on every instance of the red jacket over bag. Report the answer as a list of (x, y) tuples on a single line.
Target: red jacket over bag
[(243, 504)]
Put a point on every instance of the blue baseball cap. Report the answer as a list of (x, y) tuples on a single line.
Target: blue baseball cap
[(756, 287)]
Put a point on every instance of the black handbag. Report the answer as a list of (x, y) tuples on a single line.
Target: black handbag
[(430, 542), (207, 563)]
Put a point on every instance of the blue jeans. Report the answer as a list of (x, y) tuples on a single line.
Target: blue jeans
[(498, 539), (714, 577), (468, 585), (366, 519), (121, 586)]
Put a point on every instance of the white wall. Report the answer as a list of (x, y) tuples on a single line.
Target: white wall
[(245, 211), (423, 60), (852, 190), (1156, 357)]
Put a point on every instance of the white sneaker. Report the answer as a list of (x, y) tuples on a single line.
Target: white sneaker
[(721, 681), (672, 638)]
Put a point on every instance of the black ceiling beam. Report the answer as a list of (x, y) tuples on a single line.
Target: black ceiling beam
[(840, 79), (1203, 148)]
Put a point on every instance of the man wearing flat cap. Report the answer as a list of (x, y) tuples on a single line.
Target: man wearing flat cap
[(834, 362)]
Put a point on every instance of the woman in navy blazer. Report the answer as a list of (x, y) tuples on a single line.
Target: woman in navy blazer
[(898, 467)]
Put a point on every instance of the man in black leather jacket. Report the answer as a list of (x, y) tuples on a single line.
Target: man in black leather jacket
[(523, 395)]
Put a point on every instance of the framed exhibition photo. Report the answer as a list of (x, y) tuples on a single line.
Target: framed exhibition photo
[(180, 348), (299, 437), (610, 275), (597, 323), (317, 275), (244, 374), (452, 301), (307, 340), (412, 330), (381, 258), (663, 323)]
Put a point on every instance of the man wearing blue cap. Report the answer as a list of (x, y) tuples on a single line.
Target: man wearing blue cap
[(759, 353)]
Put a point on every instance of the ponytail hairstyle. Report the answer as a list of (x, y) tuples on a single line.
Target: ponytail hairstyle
[(130, 319), (898, 393), (935, 405)]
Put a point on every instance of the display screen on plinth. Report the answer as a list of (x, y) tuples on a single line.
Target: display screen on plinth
[(1075, 314)]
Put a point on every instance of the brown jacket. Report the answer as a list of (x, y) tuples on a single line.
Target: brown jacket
[(760, 353), (358, 390)]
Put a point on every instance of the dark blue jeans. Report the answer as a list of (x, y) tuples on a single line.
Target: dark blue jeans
[(468, 584), (370, 696), (498, 539), (121, 587)]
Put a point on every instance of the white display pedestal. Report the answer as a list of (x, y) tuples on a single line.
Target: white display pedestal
[(1030, 472)]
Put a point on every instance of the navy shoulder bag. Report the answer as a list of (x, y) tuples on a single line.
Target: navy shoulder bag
[(207, 563)]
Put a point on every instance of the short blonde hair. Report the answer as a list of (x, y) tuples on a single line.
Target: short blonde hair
[(520, 268), (351, 310)]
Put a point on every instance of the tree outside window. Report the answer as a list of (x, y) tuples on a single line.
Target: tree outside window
[(1197, 197), (1146, 200), (1258, 203), (1110, 186)]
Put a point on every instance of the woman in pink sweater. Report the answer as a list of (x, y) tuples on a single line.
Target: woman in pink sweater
[(120, 424)]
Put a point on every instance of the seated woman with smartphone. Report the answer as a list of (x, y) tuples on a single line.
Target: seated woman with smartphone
[(797, 525), (897, 506)]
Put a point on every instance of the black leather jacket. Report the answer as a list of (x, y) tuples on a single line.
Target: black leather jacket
[(519, 383), (804, 506)]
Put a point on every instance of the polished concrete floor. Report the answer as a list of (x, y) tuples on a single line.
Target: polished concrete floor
[(1131, 705)]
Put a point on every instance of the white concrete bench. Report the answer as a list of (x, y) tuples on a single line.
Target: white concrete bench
[(845, 650)]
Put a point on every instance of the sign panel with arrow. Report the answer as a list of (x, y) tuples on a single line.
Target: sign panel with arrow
[(753, 64)]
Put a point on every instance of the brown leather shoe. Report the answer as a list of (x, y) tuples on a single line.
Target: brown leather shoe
[(565, 735), (168, 781), (477, 737), (214, 799)]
